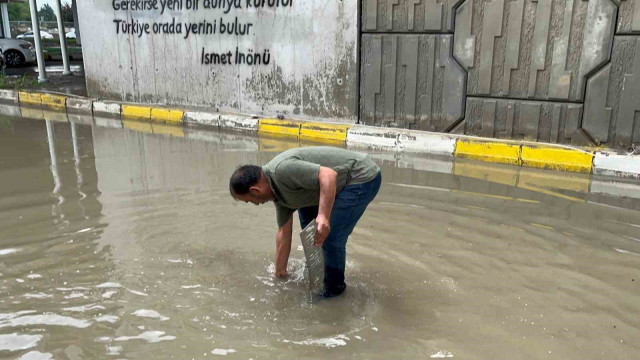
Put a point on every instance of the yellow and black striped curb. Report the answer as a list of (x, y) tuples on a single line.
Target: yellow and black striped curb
[(160, 119)]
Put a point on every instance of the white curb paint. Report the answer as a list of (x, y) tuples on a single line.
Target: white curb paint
[(79, 105), (421, 142), (400, 140), (202, 118), (616, 165), (106, 108), (9, 96), (238, 122), (373, 137)]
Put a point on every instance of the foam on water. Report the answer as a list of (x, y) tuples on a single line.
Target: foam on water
[(84, 308), (108, 318), (149, 336), (109, 285), (39, 295), (44, 319), (149, 314), (442, 354), (222, 352), (15, 342), (330, 342), (36, 355), (9, 251)]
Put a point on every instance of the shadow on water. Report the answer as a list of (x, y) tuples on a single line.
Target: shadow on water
[(120, 238)]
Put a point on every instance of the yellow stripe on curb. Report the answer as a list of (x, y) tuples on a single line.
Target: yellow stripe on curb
[(56, 102), (135, 111), (488, 151), (324, 132), (29, 98), (557, 158), (286, 128), (138, 126), (170, 116)]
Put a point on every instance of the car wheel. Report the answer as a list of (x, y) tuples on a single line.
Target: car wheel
[(14, 58)]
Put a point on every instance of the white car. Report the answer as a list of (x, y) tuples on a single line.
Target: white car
[(17, 52), (71, 34), (29, 35)]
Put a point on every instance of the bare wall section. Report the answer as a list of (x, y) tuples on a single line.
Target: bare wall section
[(296, 58)]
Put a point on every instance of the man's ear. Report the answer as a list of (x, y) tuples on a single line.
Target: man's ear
[(255, 190)]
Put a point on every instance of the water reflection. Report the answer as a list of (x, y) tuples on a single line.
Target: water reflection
[(50, 224)]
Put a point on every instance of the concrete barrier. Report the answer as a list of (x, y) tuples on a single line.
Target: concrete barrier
[(236, 122), (169, 116), (136, 111), (158, 120), (29, 98), (374, 138), (106, 108), (53, 101), (554, 158), (201, 119), (10, 96), (428, 143), (79, 105), (490, 151), (616, 165), (324, 132), (286, 128)]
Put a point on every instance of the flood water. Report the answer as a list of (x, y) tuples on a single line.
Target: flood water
[(121, 244)]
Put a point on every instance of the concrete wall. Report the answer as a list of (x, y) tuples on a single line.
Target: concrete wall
[(560, 71), (307, 50)]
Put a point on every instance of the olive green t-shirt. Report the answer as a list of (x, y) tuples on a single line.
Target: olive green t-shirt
[(293, 175)]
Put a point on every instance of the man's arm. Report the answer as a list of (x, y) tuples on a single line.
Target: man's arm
[(283, 247), (327, 179)]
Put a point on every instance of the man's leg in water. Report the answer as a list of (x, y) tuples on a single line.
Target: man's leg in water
[(348, 207)]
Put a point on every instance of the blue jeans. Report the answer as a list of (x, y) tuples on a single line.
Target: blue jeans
[(348, 207)]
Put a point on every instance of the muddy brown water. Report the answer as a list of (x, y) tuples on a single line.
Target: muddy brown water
[(116, 244)]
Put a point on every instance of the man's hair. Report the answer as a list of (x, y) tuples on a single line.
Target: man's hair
[(243, 178)]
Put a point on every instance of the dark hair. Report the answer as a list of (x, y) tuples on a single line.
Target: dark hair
[(243, 178)]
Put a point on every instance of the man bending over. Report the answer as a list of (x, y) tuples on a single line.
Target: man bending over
[(331, 185)]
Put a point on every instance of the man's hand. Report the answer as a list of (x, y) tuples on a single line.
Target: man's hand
[(323, 227), (283, 248), (281, 273)]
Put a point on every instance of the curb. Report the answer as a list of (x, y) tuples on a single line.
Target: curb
[(162, 120)]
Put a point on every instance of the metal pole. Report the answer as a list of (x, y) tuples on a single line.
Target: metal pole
[(42, 75), (5, 21), (63, 39)]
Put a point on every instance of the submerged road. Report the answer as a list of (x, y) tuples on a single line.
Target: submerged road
[(121, 243)]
